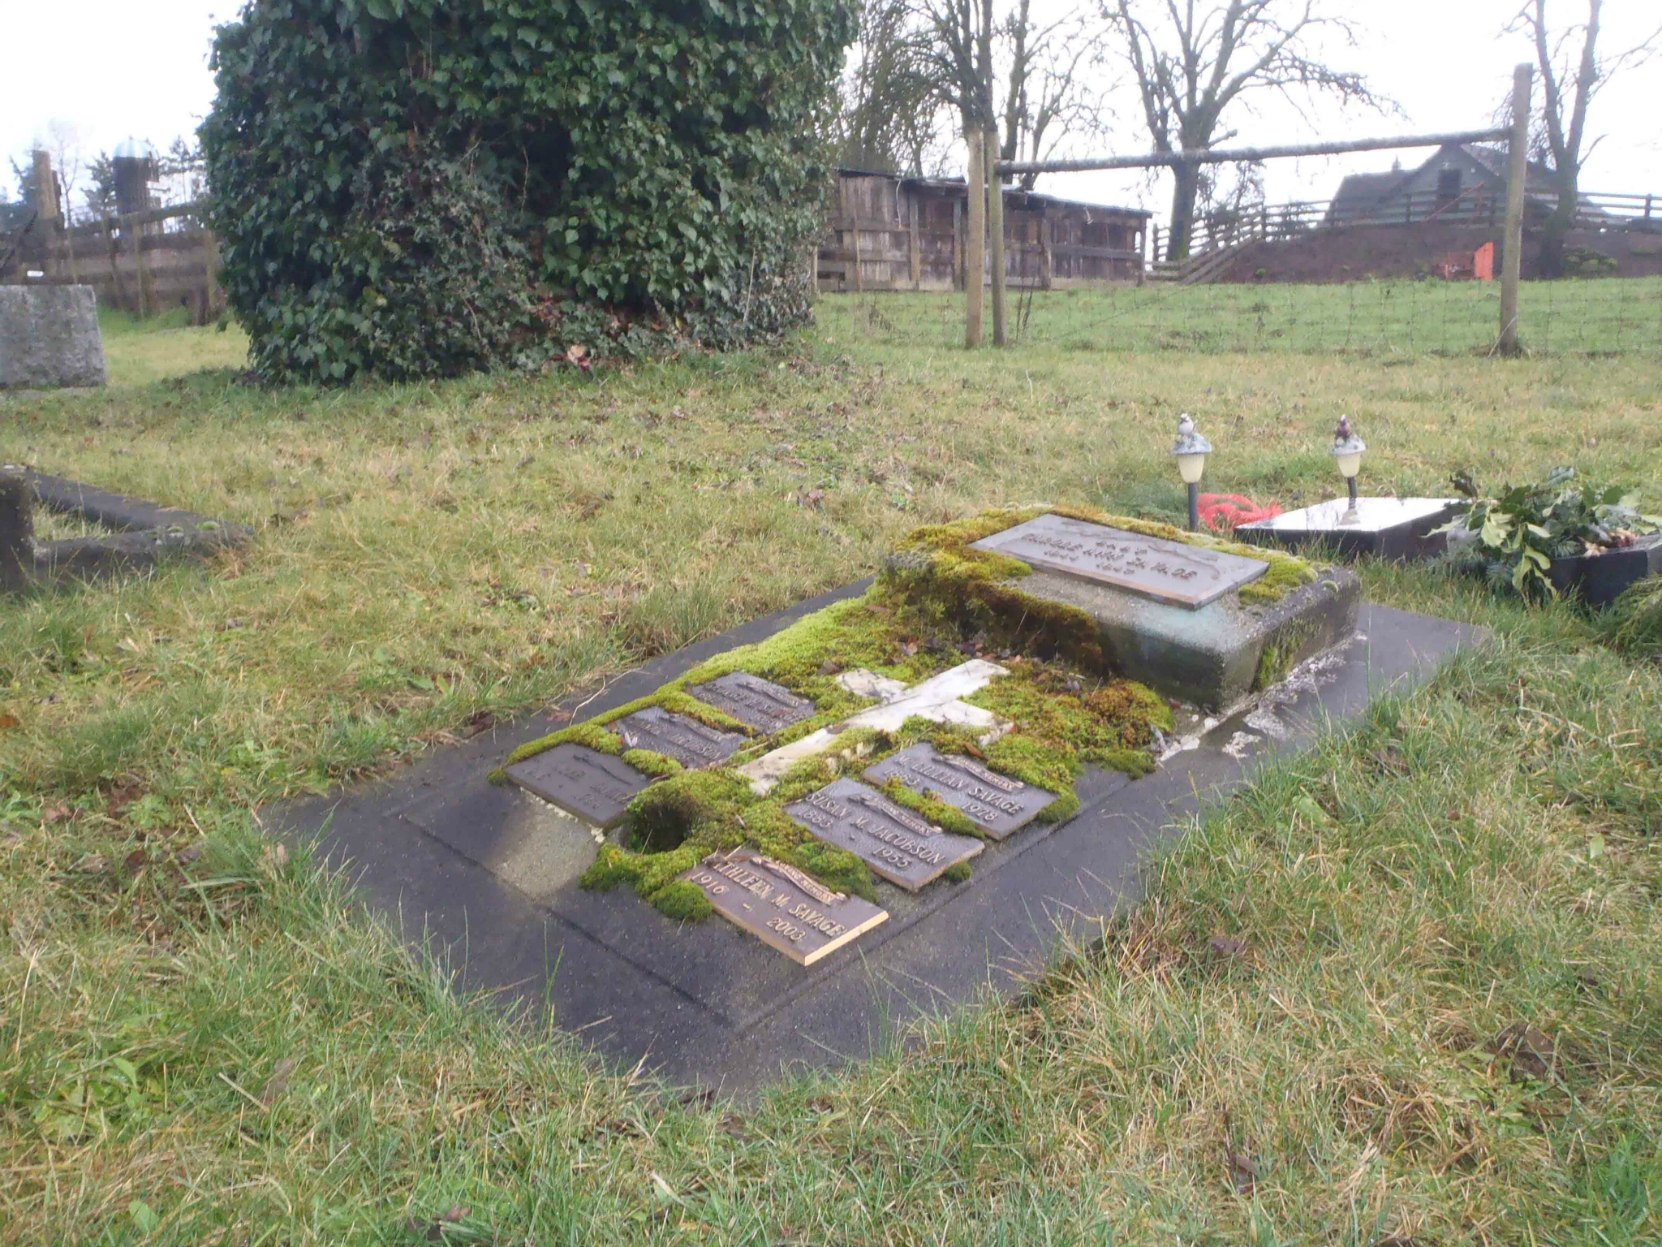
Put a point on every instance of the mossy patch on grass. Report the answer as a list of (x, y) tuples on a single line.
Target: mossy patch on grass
[(937, 602)]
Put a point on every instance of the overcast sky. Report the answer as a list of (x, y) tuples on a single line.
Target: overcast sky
[(100, 71)]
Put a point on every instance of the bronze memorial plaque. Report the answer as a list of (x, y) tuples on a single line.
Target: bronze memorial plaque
[(689, 742), (995, 803), (753, 701), (783, 906), (1167, 571), (899, 845), (582, 781)]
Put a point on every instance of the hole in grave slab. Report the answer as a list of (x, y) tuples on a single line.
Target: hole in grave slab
[(662, 826)]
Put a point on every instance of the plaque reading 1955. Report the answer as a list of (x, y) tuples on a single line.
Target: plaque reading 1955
[(783, 906), (898, 844), (1167, 571)]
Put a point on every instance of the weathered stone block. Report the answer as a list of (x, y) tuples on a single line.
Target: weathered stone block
[(17, 525), (1218, 654), (49, 338)]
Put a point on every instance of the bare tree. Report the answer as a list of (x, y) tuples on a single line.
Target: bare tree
[(1193, 62), (1572, 72), (889, 112), (1046, 93)]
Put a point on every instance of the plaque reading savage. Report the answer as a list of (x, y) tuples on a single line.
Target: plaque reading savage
[(753, 701), (592, 785), (898, 844), (783, 906), (995, 803), (1167, 571), (689, 742)]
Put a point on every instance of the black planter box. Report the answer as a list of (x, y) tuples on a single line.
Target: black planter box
[(1599, 579), (1398, 529)]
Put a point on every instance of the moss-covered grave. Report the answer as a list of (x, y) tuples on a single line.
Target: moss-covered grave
[(937, 603)]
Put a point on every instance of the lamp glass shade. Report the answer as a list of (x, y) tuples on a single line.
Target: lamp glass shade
[(1350, 463), (1191, 468)]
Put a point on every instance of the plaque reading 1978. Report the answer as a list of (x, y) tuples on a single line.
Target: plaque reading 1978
[(1167, 571), (899, 845), (582, 781), (689, 742), (783, 906), (753, 701), (997, 804)]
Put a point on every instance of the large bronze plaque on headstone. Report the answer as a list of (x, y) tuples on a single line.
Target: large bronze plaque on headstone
[(753, 701), (898, 844), (1167, 571), (782, 906), (582, 781), (689, 742), (995, 803)]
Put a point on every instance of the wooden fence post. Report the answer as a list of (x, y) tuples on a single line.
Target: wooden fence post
[(912, 251), (975, 253), (859, 283), (1047, 236), (995, 237), (1517, 169)]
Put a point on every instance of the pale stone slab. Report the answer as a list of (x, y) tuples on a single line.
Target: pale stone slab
[(937, 699), (782, 906), (1165, 571)]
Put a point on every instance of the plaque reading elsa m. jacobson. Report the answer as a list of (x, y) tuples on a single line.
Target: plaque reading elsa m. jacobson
[(782, 906)]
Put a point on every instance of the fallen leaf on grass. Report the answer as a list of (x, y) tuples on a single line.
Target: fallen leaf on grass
[(1243, 1172), (10, 723), (1226, 946), (278, 1082)]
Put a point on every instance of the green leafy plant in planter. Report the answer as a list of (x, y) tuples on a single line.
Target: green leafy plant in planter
[(1518, 534)]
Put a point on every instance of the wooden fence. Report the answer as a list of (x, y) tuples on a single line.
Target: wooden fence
[(144, 263), (1478, 205)]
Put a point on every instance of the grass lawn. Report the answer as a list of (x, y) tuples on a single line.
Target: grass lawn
[(1445, 1026)]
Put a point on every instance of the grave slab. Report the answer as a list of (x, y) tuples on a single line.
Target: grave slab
[(592, 785), (693, 744), (898, 844), (997, 804), (706, 1004), (1399, 529), (757, 703), (1208, 648), (784, 907)]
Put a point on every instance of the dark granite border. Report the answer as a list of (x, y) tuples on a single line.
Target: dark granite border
[(144, 533), (704, 1004)]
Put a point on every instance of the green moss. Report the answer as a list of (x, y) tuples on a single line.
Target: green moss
[(683, 901), (958, 872), (1281, 653)]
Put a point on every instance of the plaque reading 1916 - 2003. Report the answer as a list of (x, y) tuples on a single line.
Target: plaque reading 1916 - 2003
[(753, 701), (898, 844), (1167, 571), (689, 742), (783, 906), (995, 803), (582, 781)]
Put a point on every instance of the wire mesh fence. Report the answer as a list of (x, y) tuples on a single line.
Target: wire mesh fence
[(1609, 316)]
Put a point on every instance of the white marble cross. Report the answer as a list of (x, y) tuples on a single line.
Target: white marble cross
[(938, 699)]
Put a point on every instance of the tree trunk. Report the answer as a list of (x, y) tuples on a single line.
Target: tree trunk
[(1555, 231), (1185, 190)]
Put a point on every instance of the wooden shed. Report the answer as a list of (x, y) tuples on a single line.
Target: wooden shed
[(894, 233)]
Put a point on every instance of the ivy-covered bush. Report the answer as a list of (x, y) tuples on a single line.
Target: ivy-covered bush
[(412, 187)]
